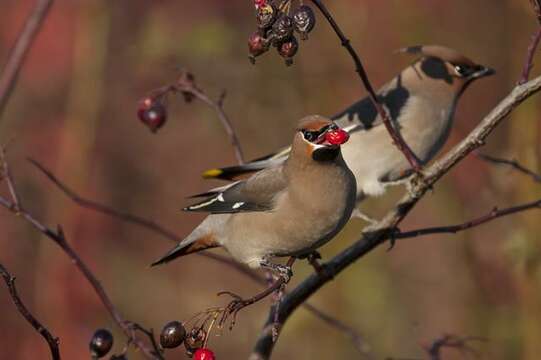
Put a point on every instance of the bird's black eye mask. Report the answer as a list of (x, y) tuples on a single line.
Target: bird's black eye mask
[(315, 136)]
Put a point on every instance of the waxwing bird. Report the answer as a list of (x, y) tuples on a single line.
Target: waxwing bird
[(285, 210), (421, 101)]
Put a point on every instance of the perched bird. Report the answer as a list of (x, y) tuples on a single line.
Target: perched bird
[(421, 101), (286, 210)]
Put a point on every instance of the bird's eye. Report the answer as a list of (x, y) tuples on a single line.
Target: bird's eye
[(310, 135)]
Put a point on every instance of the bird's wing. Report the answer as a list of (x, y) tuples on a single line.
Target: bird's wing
[(363, 116), (254, 194)]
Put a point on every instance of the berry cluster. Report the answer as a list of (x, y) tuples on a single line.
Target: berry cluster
[(276, 27)]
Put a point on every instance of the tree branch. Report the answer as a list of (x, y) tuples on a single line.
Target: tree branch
[(453, 229), (58, 237), (534, 43), (359, 68), (17, 56), (42, 330), (513, 163), (385, 228), (452, 341)]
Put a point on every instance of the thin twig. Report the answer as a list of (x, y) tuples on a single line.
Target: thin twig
[(513, 163), (359, 68), (385, 229), (17, 56), (453, 229), (59, 238), (534, 43), (452, 341), (52, 341), (186, 85)]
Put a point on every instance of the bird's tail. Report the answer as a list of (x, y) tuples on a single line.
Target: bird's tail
[(188, 246), (234, 172)]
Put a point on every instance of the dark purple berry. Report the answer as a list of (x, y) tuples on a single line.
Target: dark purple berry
[(282, 29), (257, 45), (172, 335), (152, 113), (101, 343), (304, 20), (288, 49)]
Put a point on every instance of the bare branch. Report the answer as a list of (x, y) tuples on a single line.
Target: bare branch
[(187, 86), (534, 43), (451, 341), (385, 228), (58, 237), (42, 330), (453, 229), (359, 68), (17, 56), (513, 163)]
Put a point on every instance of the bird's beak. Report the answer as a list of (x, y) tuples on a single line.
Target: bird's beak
[(483, 72), (333, 137)]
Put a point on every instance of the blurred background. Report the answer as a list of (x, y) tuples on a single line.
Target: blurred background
[(74, 110)]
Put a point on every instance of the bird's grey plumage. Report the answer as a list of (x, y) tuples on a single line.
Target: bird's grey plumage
[(287, 210), (421, 101)]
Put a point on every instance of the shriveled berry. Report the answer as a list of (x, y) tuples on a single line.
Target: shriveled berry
[(336, 137), (282, 29), (194, 341), (172, 335), (152, 113), (304, 20), (288, 49), (204, 354), (257, 45), (266, 15), (101, 343)]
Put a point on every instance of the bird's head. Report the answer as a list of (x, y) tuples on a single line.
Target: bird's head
[(319, 138), (443, 63)]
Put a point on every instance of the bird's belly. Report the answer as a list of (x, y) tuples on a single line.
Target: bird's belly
[(256, 235)]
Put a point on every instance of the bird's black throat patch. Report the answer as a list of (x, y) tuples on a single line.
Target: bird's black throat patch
[(327, 153)]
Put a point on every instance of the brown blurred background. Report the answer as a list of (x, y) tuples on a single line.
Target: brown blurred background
[(74, 110)]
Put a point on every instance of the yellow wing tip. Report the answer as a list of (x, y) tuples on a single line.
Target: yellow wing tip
[(212, 173)]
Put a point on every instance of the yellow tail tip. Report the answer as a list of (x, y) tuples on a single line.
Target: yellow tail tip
[(212, 173)]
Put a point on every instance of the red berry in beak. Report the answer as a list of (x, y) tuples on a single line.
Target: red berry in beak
[(204, 354), (336, 137)]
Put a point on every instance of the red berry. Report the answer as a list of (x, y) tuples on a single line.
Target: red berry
[(257, 45), (336, 137), (152, 113), (259, 3), (204, 354)]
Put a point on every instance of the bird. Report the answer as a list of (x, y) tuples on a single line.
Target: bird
[(421, 101), (289, 209)]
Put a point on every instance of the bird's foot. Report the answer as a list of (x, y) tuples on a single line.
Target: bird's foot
[(283, 271)]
